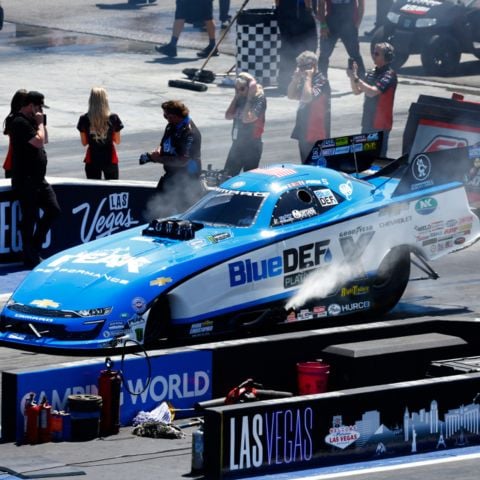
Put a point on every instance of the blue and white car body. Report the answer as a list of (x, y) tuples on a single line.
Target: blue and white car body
[(283, 243)]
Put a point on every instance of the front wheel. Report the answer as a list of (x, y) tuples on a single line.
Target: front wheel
[(441, 55), (391, 279)]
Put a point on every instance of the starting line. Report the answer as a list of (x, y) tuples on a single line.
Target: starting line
[(377, 466)]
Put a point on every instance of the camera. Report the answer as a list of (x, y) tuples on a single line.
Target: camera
[(144, 158), (44, 118)]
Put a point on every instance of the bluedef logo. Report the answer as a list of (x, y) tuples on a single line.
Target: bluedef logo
[(274, 438), (296, 262)]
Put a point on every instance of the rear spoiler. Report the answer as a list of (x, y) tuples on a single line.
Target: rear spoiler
[(349, 154), (431, 169)]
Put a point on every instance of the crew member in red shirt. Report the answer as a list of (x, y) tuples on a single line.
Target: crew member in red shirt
[(379, 86)]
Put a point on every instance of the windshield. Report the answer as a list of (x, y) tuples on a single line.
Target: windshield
[(227, 207)]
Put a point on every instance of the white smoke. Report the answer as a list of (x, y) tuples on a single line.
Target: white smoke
[(324, 282)]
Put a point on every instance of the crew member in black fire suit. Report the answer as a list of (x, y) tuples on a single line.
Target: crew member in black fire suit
[(180, 153)]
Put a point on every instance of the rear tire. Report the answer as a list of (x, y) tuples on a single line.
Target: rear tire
[(391, 279), (441, 55)]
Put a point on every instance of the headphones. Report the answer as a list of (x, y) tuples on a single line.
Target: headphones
[(388, 51)]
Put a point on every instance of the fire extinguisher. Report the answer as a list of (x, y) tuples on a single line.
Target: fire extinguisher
[(32, 414), (109, 383), (44, 421)]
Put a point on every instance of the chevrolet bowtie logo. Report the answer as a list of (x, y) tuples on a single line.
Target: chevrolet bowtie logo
[(161, 281), (45, 303)]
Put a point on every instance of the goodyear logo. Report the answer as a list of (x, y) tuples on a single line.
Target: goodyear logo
[(426, 206)]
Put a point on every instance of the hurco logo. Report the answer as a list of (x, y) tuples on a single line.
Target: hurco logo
[(296, 262), (425, 206)]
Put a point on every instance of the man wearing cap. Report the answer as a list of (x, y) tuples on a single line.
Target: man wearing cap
[(29, 166)]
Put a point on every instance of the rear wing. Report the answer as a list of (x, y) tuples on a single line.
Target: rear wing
[(349, 154), (431, 169)]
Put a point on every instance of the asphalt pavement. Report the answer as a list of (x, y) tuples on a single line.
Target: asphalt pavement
[(63, 48)]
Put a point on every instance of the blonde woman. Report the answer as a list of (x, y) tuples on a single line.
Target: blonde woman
[(99, 132), (247, 110)]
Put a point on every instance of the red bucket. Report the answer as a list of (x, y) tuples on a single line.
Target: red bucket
[(312, 377)]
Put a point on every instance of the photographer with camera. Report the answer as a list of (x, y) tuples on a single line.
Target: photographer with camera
[(247, 110), (312, 89), (379, 86), (180, 154), (28, 134)]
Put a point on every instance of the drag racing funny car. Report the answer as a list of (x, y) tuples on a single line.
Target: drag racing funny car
[(282, 243)]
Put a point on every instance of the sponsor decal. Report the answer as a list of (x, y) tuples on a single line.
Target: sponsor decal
[(346, 189), (359, 138), (114, 258), (45, 303), (329, 142), (355, 290), (342, 150), (353, 249), (306, 213), (79, 271), (368, 146), (341, 141), (426, 206), (202, 328), (334, 309), (356, 231), (320, 311), (318, 157), (421, 168), (396, 221), (298, 183), (160, 281), (305, 314), (295, 263), (139, 304), (279, 437), (218, 237), (355, 307), (372, 136), (328, 152), (116, 325), (111, 215), (459, 240), (326, 197)]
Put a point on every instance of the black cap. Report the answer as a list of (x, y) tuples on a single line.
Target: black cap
[(36, 98)]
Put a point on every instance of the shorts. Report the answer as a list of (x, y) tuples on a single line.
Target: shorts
[(194, 11)]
